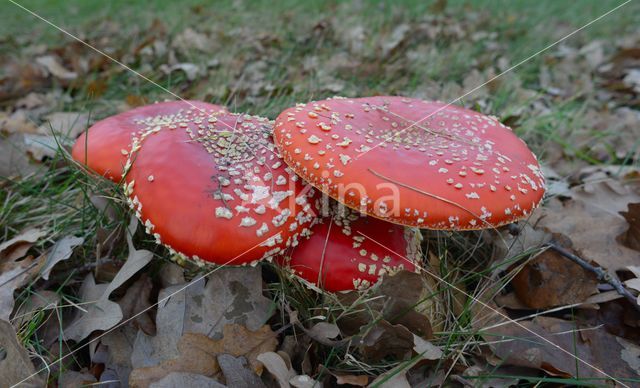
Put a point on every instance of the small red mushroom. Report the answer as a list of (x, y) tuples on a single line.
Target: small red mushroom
[(348, 251), (104, 147), (214, 189), (412, 162)]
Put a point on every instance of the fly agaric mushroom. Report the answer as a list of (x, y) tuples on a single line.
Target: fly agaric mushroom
[(104, 147), (412, 162), (348, 251), (214, 189)]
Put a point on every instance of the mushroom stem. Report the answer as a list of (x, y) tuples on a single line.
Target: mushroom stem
[(599, 271)]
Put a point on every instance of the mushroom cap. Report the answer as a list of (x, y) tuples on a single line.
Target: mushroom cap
[(214, 189), (104, 146), (412, 162), (348, 251)]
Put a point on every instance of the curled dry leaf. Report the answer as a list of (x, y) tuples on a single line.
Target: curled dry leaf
[(60, 251), (198, 353), (385, 339), (14, 272), (550, 280), (279, 365), (53, 66)]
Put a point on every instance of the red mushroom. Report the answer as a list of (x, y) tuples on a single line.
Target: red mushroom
[(104, 147), (214, 189), (349, 251), (412, 162)]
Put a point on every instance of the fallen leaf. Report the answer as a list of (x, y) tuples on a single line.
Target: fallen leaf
[(136, 300), (177, 379), (73, 379), (426, 349), (635, 282), (17, 122), (550, 280), (18, 246), (590, 220), (324, 330), (15, 272), (60, 251), (69, 124), (631, 237), (276, 365), (197, 353), (15, 364), (396, 377), (119, 344), (230, 295), (54, 67), (515, 345), (101, 313), (191, 70), (37, 301), (395, 39), (385, 339), (41, 147), (403, 298), (14, 161), (237, 372), (358, 380)]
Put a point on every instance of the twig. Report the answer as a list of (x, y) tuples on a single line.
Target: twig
[(599, 271)]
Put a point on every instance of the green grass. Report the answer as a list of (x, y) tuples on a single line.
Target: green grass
[(287, 35)]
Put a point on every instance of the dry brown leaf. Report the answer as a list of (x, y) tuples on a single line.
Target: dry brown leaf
[(53, 66), (60, 251), (385, 339), (101, 313), (69, 124), (634, 283), (550, 280), (73, 379), (18, 246), (17, 122), (358, 380), (198, 353), (631, 237), (15, 271), (277, 366), (237, 372), (15, 364), (426, 349), (136, 300), (176, 379), (516, 346), (399, 299), (590, 222)]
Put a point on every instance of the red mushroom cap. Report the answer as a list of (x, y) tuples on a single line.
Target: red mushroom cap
[(348, 251), (103, 148), (412, 162), (213, 188)]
